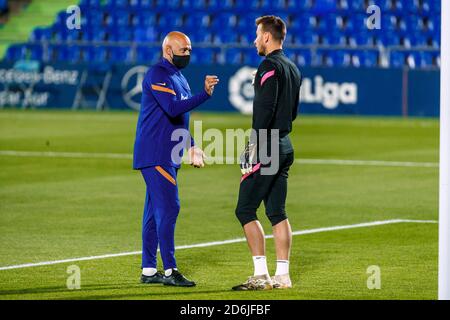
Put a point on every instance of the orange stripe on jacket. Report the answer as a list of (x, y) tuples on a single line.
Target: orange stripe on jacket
[(166, 175), (159, 88)]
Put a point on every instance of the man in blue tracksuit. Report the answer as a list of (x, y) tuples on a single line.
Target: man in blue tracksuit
[(165, 106)]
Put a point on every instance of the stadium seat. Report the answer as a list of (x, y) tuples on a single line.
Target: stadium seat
[(57, 53), (355, 22), (332, 38), (145, 34), (233, 56), (307, 38), (251, 57), (361, 38), (226, 38), (303, 22), (356, 5), (366, 58), (145, 54), (203, 56), (411, 24), (324, 6), (14, 52), (41, 34), (397, 59)]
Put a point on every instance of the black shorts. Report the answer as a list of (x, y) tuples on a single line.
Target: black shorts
[(272, 189)]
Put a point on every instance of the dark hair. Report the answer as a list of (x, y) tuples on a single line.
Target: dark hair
[(274, 25)]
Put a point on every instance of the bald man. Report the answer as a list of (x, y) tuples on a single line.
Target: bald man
[(166, 102)]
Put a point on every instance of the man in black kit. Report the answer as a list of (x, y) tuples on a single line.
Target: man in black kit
[(277, 92)]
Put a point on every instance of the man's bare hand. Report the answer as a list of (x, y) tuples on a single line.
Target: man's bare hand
[(210, 82), (196, 157)]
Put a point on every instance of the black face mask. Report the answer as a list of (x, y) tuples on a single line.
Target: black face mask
[(180, 62)]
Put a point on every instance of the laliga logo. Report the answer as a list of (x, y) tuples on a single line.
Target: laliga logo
[(329, 94), (240, 90)]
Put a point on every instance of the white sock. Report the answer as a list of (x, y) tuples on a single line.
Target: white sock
[(260, 265), (148, 271), (168, 272), (282, 267)]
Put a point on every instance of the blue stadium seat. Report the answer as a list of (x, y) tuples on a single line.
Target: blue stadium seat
[(145, 34), (412, 24), (41, 34), (57, 52), (221, 4), (226, 38), (424, 59), (397, 59), (95, 54), (355, 22), (356, 5), (14, 52), (418, 40), (340, 58), (122, 54), (224, 21), (73, 53), (203, 56), (295, 6), (116, 4), (333, 38), (436, 59), (385, 5), (388, 38), (204, 37), (199, 4), (307, 37), (247, 38), (434, 39), (324, 6), (303, 22), (361, 38), (197, 21), (251, 57), (147, 55), (147, 19), (433, 6), (74, 35), (300, 57), (233, 56), (145, 4), (365, 58), (411, 6), (331, 58)]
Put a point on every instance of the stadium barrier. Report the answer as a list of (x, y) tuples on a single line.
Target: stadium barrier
[(351, 91)]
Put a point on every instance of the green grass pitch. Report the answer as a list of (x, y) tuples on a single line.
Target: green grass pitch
[(55, 208)]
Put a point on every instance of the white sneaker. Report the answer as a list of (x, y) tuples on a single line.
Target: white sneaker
[(282, 281), (262, 282)]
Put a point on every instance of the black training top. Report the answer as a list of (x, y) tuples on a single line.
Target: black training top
[(277, 95)]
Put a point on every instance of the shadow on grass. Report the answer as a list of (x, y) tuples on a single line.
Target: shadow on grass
[(186, 295), (91, 287)]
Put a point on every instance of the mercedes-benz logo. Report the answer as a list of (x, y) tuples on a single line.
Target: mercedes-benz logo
[(132, 86)]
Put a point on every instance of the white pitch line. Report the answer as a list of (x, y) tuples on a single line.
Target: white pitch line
[(217, 243), (368, 163), (126, 156), (50, 154)]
